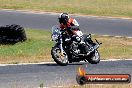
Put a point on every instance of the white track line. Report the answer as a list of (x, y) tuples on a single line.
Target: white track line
[(53, 62), (116, 36), (27, 63), (115, 59)]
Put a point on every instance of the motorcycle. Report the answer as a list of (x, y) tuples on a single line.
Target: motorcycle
[(73, 49)]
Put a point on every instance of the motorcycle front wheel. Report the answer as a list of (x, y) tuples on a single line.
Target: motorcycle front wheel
[(58, 58), (94, 57)]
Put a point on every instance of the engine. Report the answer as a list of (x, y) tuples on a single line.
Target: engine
[(75, 48)]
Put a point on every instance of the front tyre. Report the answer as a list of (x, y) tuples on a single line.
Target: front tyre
[(94, 57), (58, 58)]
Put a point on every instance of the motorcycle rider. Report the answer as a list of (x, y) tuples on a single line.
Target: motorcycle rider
[(71, 26)]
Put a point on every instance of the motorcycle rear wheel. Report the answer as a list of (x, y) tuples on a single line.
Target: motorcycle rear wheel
[(59, 59)]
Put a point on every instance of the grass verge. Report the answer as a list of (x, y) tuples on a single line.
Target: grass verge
[(88, 7), (104, 86), (37, 48)]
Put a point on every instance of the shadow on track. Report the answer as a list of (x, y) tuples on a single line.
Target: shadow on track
[(71, 64)]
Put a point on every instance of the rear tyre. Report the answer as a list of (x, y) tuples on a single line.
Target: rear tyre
[(94, 57), (59, 59)]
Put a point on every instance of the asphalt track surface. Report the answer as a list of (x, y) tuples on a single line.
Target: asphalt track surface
[(88, 24), (50, 74)]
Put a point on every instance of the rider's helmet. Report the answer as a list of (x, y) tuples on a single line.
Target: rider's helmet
[(63, 18)]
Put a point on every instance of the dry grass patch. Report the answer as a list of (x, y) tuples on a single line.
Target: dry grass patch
[(89, 7), (104, 86)]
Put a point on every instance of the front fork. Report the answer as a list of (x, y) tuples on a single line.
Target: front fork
[(95, 47), (61, 47)]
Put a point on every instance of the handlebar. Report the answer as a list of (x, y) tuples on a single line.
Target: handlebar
[(98, 42)]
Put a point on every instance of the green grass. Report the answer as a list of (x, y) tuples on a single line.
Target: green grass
[(88, 7), (37, 48)]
